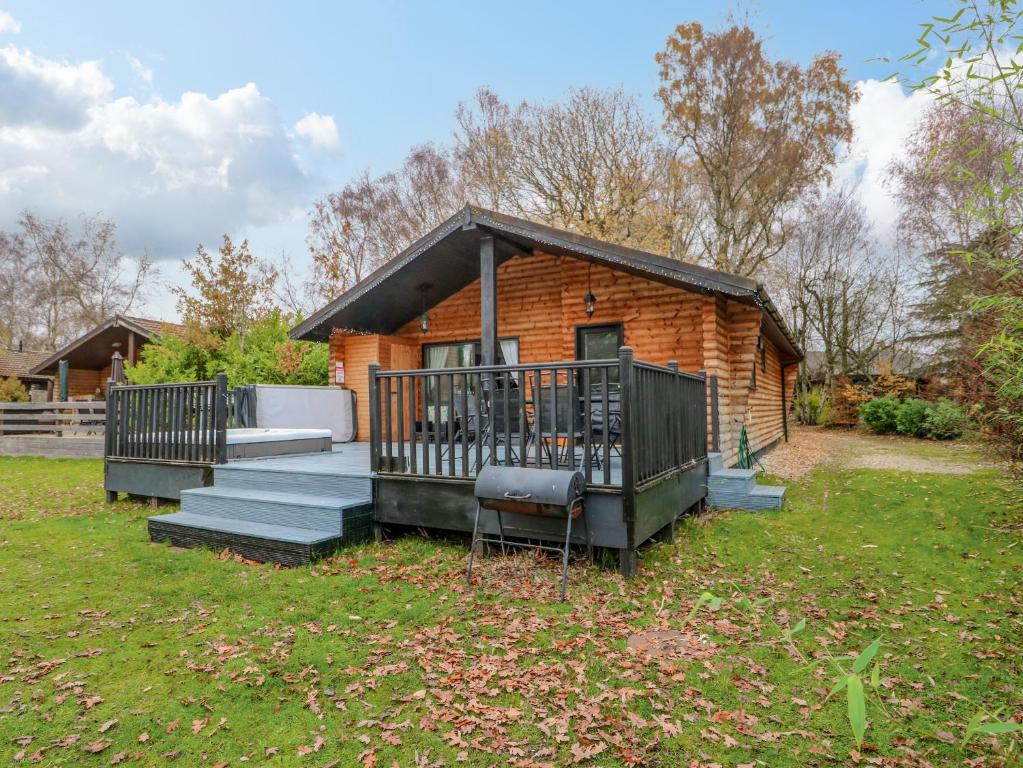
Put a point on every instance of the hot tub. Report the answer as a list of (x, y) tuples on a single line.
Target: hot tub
[(275, 441)]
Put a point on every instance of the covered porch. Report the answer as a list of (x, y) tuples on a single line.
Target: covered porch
[(636, 431)]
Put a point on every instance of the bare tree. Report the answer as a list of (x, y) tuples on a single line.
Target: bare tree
[(61, 279), (485, 151), (587, 164), (843, 295), (425, 191), (347, 236), (759, 134)]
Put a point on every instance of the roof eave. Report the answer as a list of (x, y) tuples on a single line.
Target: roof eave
[(114, 322)]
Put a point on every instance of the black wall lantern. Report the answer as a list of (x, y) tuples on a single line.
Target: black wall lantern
[(424, 317), (589, 299)]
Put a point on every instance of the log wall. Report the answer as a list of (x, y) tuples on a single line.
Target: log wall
[(540, 302)]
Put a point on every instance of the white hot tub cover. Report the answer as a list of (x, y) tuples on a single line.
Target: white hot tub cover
[(272, 435)]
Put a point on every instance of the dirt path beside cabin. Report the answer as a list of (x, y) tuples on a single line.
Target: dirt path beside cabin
[(809, 447)]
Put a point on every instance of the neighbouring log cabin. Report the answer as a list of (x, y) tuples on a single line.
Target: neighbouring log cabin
[(495, 340), (88, 358)]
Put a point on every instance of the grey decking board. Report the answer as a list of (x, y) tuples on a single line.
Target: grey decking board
[(278, 497), (246, 528)]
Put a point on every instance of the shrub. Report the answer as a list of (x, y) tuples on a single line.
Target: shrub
[(12, 391), (264, 355), (811, 405), (881, 414), (945, 421), (911, 420)]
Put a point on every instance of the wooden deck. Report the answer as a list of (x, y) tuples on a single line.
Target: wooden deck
[(353, 460)]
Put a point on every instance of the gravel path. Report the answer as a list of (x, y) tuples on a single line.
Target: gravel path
[(809, 447)]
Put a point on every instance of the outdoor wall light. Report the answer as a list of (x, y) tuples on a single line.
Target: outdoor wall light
[(424, 317), (589, 299)]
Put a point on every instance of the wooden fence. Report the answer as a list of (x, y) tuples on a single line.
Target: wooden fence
[(64, 419)]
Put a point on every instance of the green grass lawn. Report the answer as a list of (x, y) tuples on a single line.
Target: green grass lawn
[(120, 651)]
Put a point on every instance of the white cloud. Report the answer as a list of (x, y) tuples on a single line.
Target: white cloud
[(882, 119), (170, 173), (320, 131), (142, 72), (8, 23), (38, 91)]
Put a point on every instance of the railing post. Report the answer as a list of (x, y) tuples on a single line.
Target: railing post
[(626, 374), (220, 414), (109, 436), (374, 417)]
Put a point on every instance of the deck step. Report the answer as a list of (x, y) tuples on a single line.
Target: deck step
[(251, 475), (733, 481), (738, 489), (325, 513), (258, 541)]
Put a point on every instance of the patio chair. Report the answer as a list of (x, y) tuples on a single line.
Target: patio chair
[(554, 425), (611, 422), (505, 418)]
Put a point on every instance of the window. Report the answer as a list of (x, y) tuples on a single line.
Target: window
[(464, 354), (600, 342)]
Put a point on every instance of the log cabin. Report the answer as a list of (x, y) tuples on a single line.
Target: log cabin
[(485, 288), (89, 356), (496, 340)]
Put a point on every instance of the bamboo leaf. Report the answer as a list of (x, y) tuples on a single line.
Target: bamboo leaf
[(857, 708), (842, 683), (864, 659), (996, 728)]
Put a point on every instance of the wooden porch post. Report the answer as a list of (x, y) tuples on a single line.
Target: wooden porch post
[(627, 556), (488, 301)]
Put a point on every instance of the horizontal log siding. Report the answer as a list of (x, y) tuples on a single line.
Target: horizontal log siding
[(765, 424), (540, 301), (718, 362), (81, 382)]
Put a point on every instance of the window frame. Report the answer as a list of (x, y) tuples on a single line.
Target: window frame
[(581, 330)]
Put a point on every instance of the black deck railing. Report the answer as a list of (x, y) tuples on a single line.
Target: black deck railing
[(622, 423), (168, 423)]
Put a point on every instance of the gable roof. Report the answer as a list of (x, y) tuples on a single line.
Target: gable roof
[(14, 362), (95, 346), (446, 260)]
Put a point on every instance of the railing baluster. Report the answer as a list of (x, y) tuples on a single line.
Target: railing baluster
[(482, 420), (413, 446), (538, 416), (465, 424), (587, 411), (438, 447), (401, 422), (507, 418), (523, 458), (555, 446), (606, 429), (451, 423), (387, 422), (573, 406)]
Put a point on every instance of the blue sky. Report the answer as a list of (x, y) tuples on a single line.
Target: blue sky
[(390, 74)]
